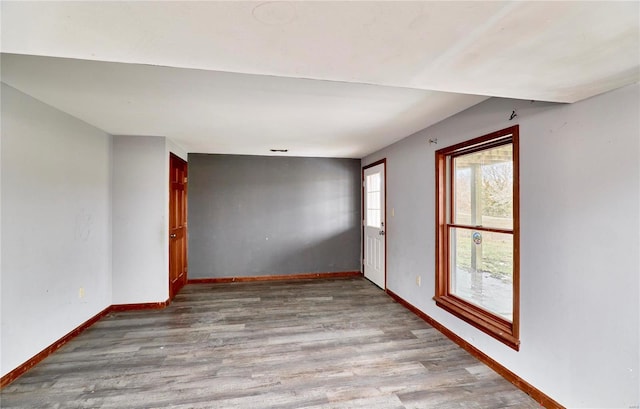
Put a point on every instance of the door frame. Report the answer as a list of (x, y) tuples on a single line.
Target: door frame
[(382, 162)]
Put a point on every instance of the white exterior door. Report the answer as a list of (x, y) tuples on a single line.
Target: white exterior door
[(374, 224)]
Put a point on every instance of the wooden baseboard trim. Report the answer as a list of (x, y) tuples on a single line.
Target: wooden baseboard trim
[(20, 370), (520, 383), (305, 276), (140, 306)]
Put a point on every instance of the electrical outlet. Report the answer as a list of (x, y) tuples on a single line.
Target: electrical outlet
[(419, 281), (81, 292)]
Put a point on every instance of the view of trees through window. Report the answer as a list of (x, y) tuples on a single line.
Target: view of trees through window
[(483, 199)]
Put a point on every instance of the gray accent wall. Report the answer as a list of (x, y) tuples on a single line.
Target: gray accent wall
[(265, 215)]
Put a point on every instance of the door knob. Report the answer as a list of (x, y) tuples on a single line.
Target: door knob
[(173, 235), (381, 232)]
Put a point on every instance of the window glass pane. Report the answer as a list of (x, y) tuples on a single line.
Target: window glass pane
[(373, 217), (482, 269), (373, 182), (483, 188)]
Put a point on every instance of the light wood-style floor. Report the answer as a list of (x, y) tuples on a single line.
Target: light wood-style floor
[(335, 343)]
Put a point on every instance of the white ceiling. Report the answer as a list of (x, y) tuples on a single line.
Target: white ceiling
[(339, 79)]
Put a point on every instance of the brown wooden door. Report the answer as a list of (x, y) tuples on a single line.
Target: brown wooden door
[(177, 225)]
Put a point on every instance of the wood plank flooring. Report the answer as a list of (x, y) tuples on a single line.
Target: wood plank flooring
[(334, 343)]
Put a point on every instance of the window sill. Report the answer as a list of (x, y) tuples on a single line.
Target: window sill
[(484, 321)]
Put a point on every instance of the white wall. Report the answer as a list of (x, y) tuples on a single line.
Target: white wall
[(55, 225), (141, 218), (173, 147), (140, 271), (580, 241), (62, 181)]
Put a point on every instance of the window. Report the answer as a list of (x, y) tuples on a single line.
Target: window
[(374, 215), (477, 247)]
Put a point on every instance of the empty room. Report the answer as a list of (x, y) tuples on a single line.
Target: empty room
[(320, 205)]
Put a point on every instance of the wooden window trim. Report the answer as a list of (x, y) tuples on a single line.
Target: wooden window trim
[(491, 324)]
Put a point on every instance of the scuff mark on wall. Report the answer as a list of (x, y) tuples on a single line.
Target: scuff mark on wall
[(84, 224)]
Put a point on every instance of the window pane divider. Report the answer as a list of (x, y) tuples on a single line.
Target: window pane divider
[(481, 228)]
